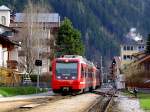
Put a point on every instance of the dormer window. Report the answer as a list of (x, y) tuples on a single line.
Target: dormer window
[(3, 19)]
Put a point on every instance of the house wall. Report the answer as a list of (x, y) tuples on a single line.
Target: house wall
[(6, 14), (45, 65), (129, 53), (13, 54), (1, 58), (5, 57)]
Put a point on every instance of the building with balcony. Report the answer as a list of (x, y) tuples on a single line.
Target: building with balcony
[(49, 24), (8, 47), (132, 43), (9, 74)]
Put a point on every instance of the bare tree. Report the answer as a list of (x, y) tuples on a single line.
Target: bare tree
[(34, 35), (136, 75)]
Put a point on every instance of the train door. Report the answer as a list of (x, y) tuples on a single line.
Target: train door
[(82, 72), (94, 78)]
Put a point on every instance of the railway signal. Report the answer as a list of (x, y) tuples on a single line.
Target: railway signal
[(38, 62)]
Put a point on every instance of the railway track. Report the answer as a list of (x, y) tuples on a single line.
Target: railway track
[(102, 104), (34, 103), (109, 102)]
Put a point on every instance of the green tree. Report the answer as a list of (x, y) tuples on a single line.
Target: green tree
[(69, 39), (148, 44)]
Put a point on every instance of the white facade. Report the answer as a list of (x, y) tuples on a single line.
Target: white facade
[(120, 81), (1, 53), (3, 56), (13, 54), (4, 15)]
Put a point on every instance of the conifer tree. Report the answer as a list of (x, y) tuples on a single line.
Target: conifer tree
[(69, 39), (148, 45)]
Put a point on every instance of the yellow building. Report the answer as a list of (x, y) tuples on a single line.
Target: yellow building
[(128, 48)]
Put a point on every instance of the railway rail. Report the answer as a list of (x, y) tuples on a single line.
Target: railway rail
[(98, 101), (102, 104), (29, 104)]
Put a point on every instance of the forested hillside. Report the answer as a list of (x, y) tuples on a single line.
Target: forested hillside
[(103, 23)]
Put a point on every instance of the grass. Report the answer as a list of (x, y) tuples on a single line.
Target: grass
[(13, 91), (143, 98), (144, 101), (127, 93)]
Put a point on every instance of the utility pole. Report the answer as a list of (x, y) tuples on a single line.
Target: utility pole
[(38, 65), (102, 75), (38, 75)]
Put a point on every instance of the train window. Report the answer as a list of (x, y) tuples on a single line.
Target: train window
[(82, 71), (86, 74), (90, 73), (68, 69)]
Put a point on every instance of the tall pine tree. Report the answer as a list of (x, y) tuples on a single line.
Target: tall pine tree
[(69, 39), (148, 45)]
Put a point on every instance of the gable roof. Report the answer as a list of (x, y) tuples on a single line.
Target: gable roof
[(129, 41), (14, 30), (144, 59), (42, 17), (7, 40), (4, 8)]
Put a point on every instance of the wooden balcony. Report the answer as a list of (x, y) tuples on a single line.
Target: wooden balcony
[(9, 77), (12, 64)]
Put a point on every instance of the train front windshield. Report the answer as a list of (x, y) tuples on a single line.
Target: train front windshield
[(66, 71)]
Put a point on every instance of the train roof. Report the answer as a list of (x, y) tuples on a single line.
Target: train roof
[(77, 57)]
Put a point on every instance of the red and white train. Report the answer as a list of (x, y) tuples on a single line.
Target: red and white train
[(73, 73)]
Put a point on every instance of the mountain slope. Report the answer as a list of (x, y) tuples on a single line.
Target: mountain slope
[(104, 23), (101, 22)]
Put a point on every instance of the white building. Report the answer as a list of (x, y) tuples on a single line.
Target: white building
[(8, 48), (132, 43), (4, 15)]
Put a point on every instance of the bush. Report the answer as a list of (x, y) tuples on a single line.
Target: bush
[(12, 91), (33, 78)]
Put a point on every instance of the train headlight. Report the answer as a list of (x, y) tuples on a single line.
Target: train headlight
[(58, 77), (74, 77)]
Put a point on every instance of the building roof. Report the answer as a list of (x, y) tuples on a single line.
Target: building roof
[(5, 39), (139, 54), (14, 30), (118, 60), (3, 7), (144, 59), (141, 57), (130, 41), (42, 17)]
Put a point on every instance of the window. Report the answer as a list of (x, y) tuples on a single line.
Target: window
[(124, 57), (82, 71), (128, 47), (131, 57), (3, 19), (139, 47), (128, 57), (66, 70), (132, 48), (8, 33), (124, 48)]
